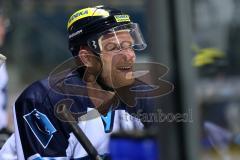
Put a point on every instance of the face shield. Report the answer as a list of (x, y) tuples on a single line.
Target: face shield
[(114, 40)]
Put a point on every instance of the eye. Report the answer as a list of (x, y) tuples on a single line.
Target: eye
[(126, 44), (111, 47)]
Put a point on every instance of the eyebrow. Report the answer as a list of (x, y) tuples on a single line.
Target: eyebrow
[(113, 34), (113, 38)]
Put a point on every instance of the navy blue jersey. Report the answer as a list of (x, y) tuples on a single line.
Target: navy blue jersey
[(40, 134)]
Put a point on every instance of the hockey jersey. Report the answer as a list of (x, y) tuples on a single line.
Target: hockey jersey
[(41, 135)]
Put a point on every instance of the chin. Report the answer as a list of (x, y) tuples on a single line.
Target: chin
[(123, 82)]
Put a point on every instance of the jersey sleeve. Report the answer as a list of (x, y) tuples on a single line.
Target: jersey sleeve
[(3, 96), (38, 133)]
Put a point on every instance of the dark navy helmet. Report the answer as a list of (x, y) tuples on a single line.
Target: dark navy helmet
[(86, 26)]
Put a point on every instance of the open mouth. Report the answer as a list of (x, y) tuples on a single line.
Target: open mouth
[(125, 68), (127, 71)]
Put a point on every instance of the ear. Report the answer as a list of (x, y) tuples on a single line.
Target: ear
[(92, 63), (85, 56)]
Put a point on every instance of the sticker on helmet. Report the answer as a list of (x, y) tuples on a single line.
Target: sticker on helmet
[(94, 44), (122, 18), (87, 12)]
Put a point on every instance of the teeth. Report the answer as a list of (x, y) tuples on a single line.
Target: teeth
[(125, 68)]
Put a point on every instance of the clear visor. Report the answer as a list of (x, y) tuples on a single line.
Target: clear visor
[(120, 38)]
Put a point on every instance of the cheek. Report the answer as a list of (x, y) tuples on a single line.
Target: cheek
[(118, 59), (106, 65)]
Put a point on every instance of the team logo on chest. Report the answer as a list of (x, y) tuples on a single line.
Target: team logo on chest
[(41, 127)]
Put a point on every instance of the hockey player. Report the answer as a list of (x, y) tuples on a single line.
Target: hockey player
[(103, 41)]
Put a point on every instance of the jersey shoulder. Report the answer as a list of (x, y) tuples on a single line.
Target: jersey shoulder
[(36, 92)]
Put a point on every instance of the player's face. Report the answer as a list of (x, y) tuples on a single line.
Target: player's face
[(117, 58)]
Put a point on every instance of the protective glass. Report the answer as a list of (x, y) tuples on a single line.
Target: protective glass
[(127, 36)]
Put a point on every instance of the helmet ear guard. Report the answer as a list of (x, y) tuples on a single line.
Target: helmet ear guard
[(94, 45)]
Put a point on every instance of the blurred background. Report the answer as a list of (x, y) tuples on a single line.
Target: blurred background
[(198, 40)]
